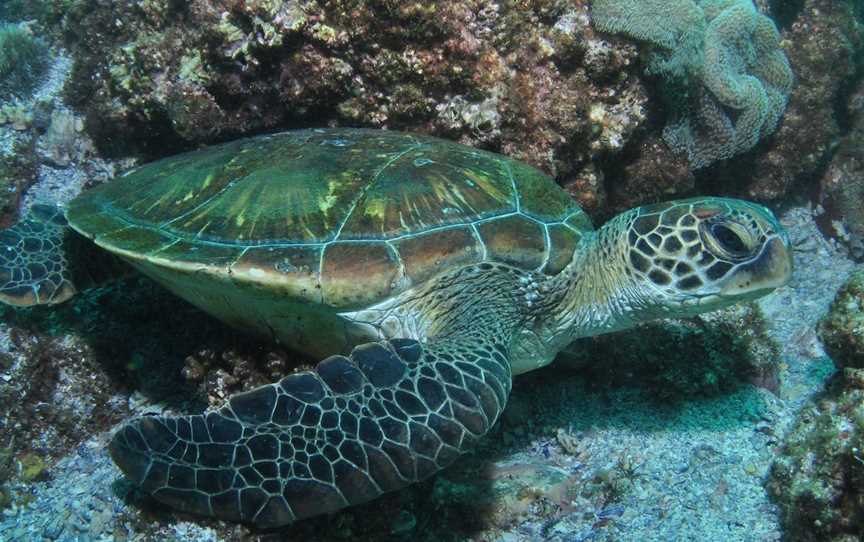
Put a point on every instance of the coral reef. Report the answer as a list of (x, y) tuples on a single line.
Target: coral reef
[(516, 77), (530, 79), (841, 189), (824, 44), (676, 359), (842, 329), (818, 478), (815, 34), (23, 60), (723, 72)]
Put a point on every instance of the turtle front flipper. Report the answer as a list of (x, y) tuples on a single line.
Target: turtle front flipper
[(44, 262), (393, 413), (33, 265)]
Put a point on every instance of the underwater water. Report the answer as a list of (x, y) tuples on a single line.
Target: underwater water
[(601, 263)]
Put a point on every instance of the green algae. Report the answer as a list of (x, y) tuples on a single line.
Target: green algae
[(24, 59), (842, 329), (33, 467)]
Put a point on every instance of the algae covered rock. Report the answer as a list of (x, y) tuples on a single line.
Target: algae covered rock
[(23, 60), (703, 356), (17, 173), (519, 77), (818, 478), (842, 329), (841, 188)]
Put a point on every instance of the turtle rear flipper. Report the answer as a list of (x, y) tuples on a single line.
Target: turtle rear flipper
[(33, 265), (391, 414)]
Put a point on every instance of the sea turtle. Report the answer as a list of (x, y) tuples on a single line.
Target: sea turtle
[(426, 272)]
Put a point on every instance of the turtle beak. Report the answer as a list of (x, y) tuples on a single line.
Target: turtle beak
[(771, 269)]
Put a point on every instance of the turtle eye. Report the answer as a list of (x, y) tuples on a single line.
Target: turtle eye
[(730, 240)]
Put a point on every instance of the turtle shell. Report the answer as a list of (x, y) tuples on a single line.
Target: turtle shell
[(345, 218)]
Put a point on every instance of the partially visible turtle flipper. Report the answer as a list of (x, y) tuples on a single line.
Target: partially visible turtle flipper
[(392, 413), (33, 266)]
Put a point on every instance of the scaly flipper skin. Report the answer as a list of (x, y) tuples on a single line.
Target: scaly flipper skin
[(33, 265), (389, 415)]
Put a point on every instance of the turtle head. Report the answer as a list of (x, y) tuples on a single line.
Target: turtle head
[(696, 255)]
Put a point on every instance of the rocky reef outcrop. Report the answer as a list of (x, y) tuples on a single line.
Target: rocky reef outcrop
[(532, 80), (841, 188), (817, 478)]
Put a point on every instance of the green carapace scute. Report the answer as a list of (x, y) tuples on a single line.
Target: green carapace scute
[(345, 218)]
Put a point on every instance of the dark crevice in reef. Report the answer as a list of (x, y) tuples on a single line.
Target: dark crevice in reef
[(784, 12)]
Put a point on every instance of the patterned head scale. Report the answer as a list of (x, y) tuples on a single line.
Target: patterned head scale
[(708, 251)]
